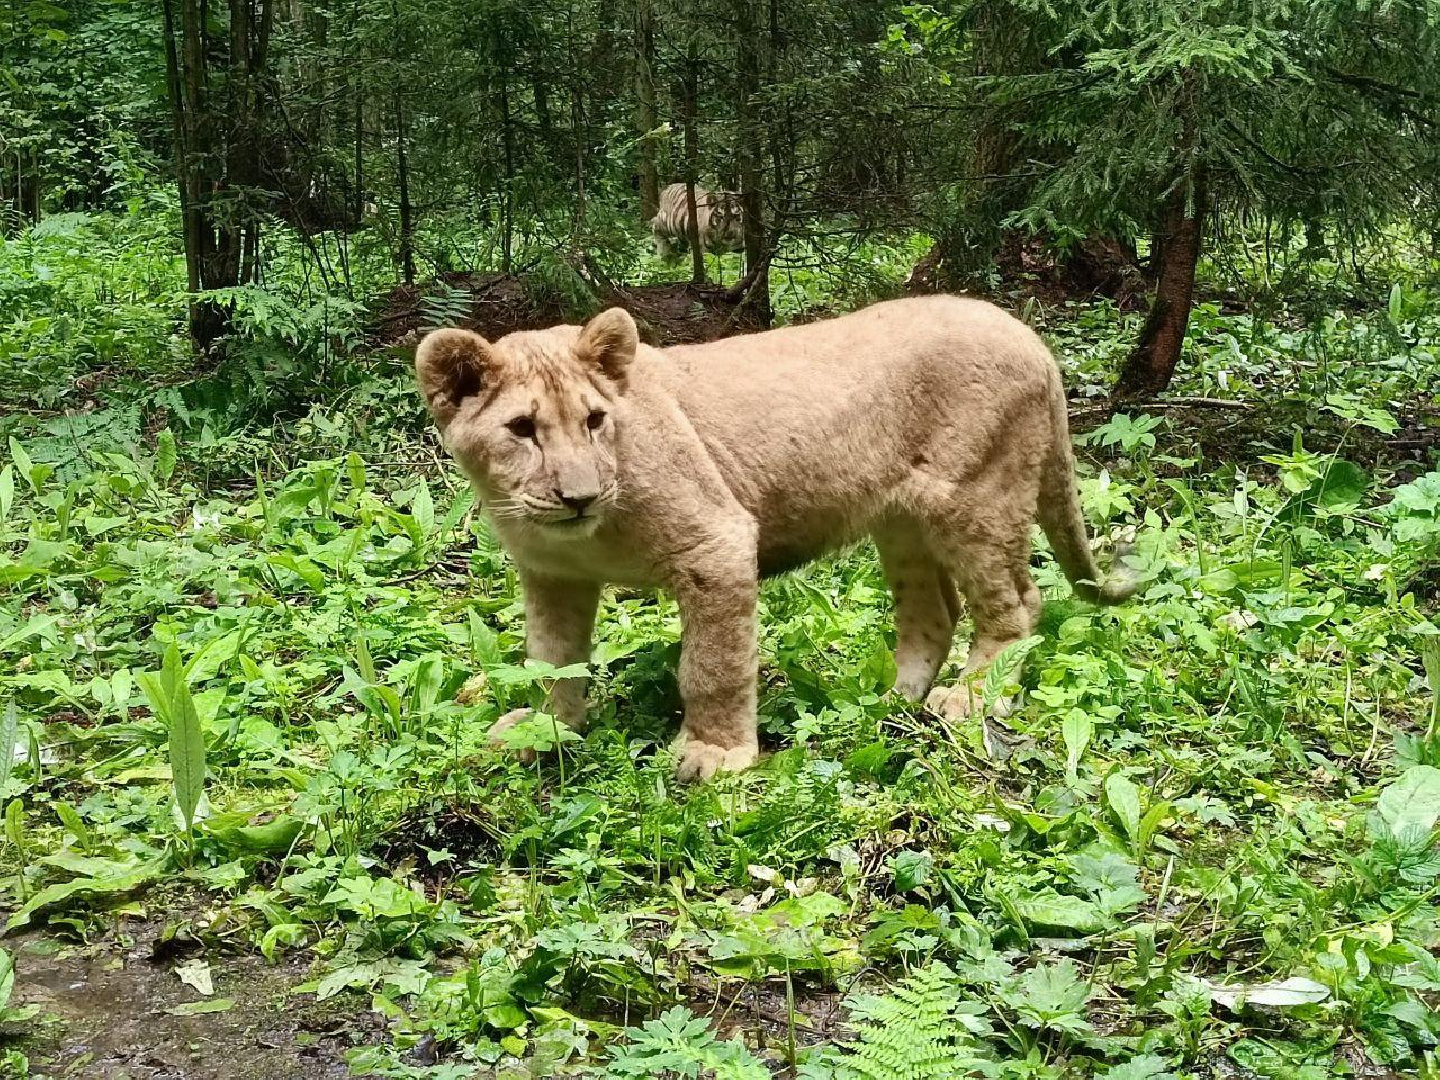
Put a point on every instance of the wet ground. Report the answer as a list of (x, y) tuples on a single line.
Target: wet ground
[(108, 1011)]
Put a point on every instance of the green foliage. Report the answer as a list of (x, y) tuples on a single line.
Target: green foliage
[(682, 1045), (1227, 783), (923, 1029)]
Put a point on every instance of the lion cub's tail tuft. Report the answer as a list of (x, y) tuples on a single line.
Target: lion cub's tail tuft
[(1060, 516)]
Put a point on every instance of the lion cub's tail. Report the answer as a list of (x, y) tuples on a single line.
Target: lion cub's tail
[(1060, 516)]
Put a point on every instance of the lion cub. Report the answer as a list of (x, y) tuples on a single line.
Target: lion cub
[(935, 425)]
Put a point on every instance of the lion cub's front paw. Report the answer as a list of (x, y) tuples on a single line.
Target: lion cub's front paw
[(953, 702), (504, 724), (701, 760), (958, 702)]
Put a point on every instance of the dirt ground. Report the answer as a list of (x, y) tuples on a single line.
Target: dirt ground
[(105, 1012), (672, 314)]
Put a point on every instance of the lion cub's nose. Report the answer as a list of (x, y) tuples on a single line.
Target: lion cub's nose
[(578, 503)]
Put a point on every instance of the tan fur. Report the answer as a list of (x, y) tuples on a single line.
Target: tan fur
[(936, 425)]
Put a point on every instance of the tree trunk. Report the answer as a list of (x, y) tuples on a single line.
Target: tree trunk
[(1149, 368), (358, 210), (217, 143), (751, 143), (402, 165), (577, 132), (507, 139), (692, 169), (646, 118)]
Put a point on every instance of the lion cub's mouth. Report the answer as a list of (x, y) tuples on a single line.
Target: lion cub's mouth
[(581, 524)]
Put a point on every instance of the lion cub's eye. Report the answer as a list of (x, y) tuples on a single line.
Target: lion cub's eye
[(522, 427), (594, 420)]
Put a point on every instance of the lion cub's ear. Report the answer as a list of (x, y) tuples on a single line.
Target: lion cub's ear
[(450, 365), (609, 341)]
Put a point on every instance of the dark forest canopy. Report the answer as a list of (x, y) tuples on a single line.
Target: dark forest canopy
[(1102, 124)]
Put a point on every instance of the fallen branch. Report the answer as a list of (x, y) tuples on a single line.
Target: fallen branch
[(741, 289), (1199, 402)]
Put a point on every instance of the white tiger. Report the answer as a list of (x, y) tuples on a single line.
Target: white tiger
[(719, 220)]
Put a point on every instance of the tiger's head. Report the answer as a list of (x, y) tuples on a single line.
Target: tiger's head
[(532, 418), (727, 222)]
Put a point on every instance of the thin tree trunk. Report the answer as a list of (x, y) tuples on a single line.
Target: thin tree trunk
[(1149, 368), (402, 164), (690, 93), (577, 129), (507, 138), (358, 211), (751, 144), (646, 118), (180, 124)]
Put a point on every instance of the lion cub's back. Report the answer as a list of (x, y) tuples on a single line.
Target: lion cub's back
[(935, 345), (817, 428)]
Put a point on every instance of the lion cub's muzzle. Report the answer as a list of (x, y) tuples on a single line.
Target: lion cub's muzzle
[(569, 512)]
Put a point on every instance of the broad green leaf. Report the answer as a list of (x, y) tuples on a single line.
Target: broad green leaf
[(1342, 484), (7, 978), (539, 732), (422, 507), (23, 464), (307, 571), (1004, 671), (1283, 994), (71, 820), (1049, 908), (1411, 805), (534, 673), (1218, 582), (355, 471), (38, 624), (157, 694), (281, 934), (1150, 825), (9, 736), (484, 642), (94, 525), (187, 741), (272, 838), (1144, 1067), (54, 895), (165, 454), (195, 1008), (363, 659), (1430, 657), (1077, 729), (911, 869), (426, 681), (7, 492), (1123, 798), (459, 507), (15, 823)]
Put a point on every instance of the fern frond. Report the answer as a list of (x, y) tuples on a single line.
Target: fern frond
[(921, 1030)]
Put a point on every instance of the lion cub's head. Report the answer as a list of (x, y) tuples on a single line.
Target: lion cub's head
[(531, 417)]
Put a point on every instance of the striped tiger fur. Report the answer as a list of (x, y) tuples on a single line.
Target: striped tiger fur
[(719, 220)]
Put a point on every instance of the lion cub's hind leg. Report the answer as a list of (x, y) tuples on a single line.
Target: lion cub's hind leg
[(927, 608), (1004, 603)]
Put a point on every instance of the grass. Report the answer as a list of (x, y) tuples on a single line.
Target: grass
[(252, 636)]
